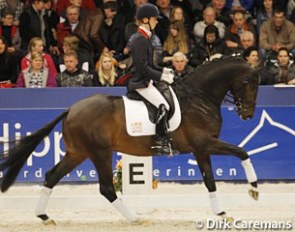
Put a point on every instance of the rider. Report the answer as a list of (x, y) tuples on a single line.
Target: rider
[(145, 74)]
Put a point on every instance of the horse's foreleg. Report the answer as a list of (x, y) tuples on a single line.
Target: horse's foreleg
[(219, 147), (52, 177), (104, 168), (204, 163)]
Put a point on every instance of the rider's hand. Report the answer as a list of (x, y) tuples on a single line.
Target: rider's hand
[(168, 71), (168, 77)]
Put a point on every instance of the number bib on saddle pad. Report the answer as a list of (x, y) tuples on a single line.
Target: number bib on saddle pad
[(137, 117)]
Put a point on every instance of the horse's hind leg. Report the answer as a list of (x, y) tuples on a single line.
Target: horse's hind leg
[(219, 147), (103, 164), (52, 177), (204, 163)]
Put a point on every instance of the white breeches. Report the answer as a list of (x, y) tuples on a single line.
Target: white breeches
[(152, 94)]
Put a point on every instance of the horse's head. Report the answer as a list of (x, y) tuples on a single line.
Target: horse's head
[(244, 90)]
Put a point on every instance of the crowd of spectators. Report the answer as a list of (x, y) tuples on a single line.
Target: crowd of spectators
[(66, 43)]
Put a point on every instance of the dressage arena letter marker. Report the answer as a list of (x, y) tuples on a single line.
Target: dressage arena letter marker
[(137, 175)]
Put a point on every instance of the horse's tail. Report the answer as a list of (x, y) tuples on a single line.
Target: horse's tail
[(16, 157)]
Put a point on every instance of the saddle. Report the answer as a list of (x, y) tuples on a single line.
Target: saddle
[(163, 87)]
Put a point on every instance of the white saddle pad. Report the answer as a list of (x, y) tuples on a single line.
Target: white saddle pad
[(137, 117)]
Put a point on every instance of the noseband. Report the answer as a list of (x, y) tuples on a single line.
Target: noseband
[(240, 92)]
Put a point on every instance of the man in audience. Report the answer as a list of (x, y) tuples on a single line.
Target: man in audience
[(10, 32), (162, 27), (209, 16), (275, 33), (67, 27), (222, 14), (73, 76), (88, 31), (34, 23), (234, 31), (180, 66)]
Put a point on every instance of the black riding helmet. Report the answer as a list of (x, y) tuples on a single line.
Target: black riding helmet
[(147, 10)]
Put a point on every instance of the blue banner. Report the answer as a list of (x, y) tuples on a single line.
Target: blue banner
[(268, 138)]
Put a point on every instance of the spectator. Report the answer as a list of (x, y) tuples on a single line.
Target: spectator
[(68, 26), (275, 33), (233, 32), (177, 14), (223, 14), (36, 45), (283, 72), (177, 41), (247, 40), (106, 74), (234, 5), (209, 16), (112, 30), (53, 18), (34, 23), (73, 76), (10, 32), (83, 4), (162, 27), (290, 7), (209, 46), (180, 67), (251, 55), (36, 75), (264, 13), (85, 61), (88, 31), (15, 6), (8, 65)]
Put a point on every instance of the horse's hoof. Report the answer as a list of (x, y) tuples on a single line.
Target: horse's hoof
[(254, 194), (49, 222), (143, 222), (228, 219)]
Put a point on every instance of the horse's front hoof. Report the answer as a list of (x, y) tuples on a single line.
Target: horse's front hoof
[(49, 222), (254, 194), (228, 219), (46, 220)]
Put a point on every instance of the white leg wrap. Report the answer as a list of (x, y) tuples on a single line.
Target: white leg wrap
[(126, 212), (43, 200), (215, 203), (249, 170)]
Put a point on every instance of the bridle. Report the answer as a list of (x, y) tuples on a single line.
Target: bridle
[(238, 101)]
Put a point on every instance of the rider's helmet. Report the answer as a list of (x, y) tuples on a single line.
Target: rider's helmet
[(147, 10)]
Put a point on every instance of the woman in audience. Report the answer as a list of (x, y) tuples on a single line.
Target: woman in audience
[(106, 71), (283, 72), (177, 14), (251, 55), (36, 75), (177, 41), (36, 45), (264, 13), (8, 65)]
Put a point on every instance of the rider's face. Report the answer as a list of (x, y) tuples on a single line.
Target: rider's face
[(153, 22)]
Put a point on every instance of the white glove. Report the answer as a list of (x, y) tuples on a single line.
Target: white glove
[(168, 70), (167, 75)]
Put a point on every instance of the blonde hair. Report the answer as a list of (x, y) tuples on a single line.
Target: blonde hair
[(103, 77), (180, 41), (33, 42), (35, 55), (72, 42), (71, 53)]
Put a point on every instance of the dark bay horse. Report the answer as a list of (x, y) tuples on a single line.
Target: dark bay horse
[(95, 127)]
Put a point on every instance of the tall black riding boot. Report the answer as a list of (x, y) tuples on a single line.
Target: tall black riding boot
[(163, 140)]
